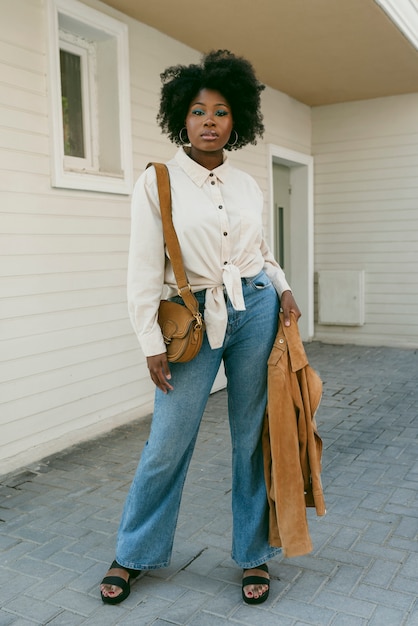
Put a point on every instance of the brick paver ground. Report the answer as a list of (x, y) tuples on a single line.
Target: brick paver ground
[(59, 519)]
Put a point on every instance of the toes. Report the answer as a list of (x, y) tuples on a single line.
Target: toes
[(110, 591), (255, 592)]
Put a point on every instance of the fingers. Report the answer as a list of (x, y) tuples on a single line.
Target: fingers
[(160, 371), (289, 306)]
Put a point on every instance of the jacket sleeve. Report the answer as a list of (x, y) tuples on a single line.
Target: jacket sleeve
[(311, 388)]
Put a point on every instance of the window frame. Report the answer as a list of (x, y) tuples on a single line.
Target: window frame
[(75, 26), (86, 53)]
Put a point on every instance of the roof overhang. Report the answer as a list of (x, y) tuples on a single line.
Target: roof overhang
[(317, 51)]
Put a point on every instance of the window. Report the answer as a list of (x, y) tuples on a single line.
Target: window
[(89, 97), (72, 106), (78, 102)]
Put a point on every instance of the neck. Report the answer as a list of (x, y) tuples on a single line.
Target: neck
[(209, 160)]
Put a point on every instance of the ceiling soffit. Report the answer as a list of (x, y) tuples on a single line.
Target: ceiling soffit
[(317, 51)]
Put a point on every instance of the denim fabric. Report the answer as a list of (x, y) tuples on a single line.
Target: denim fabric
[(148, 523)]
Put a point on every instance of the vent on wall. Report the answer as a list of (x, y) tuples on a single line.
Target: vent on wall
[(341, 297)]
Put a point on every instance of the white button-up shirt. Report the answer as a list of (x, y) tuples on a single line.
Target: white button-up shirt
[(218, 219)]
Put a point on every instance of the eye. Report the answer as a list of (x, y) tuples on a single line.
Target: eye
[(197, 112), (221, 113)]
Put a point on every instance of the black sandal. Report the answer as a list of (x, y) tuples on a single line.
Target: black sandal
[(119, 582), (256, 580)]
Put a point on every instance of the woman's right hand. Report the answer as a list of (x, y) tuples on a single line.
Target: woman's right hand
[(160, 371)]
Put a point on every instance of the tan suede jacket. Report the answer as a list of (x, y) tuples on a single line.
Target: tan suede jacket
[(291, 445)]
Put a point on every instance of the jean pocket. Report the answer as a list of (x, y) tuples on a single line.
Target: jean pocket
[(260, 282)]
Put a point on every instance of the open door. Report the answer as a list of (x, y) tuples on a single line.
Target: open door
[(281, 215), (291, 226)]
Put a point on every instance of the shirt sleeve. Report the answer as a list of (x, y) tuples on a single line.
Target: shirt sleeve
[(146, 264), (273, 269)]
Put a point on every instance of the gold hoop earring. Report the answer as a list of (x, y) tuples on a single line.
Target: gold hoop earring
[(230, 145), (183, 141)]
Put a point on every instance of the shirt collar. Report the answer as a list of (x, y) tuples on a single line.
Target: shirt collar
[(197, 173)]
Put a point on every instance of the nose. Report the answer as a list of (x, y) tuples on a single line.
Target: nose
[(209, 121)]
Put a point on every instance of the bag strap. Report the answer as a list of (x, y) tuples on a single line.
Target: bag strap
[(171, 240)]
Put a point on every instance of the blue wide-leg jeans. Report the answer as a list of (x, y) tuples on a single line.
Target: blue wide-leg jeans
[(149, 518)]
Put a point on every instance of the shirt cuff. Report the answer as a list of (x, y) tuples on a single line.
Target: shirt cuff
[(278, 279), (152, 344)]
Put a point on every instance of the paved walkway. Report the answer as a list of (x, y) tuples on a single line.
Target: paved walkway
[(59, 519)]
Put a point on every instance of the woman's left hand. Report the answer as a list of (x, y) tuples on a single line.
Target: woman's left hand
[(288, 305)]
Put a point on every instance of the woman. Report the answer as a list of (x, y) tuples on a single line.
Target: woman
[(217, 213)]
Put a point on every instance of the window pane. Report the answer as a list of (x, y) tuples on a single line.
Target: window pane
[(72, 108)]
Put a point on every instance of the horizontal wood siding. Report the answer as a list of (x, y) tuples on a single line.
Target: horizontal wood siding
[(70, 364), (366, 212)]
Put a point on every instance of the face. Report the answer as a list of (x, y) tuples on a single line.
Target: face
[(209, 121)]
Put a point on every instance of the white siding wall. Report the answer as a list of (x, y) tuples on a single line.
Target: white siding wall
[(366, 212), (70, 366)]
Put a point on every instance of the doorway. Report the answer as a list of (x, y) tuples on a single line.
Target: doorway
[(291, 226), (281, 215)]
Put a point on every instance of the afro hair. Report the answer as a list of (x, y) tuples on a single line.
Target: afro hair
[(222, 71)]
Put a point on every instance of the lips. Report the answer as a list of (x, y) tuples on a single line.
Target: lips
[(209, 135)]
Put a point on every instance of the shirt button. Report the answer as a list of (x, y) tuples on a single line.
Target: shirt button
[(212, 182), (211, 174), (225, 262), (220, 206), (281, 340), (225, 234)]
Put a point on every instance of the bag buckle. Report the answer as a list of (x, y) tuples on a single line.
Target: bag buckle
[(181, 289), (199, 320)]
